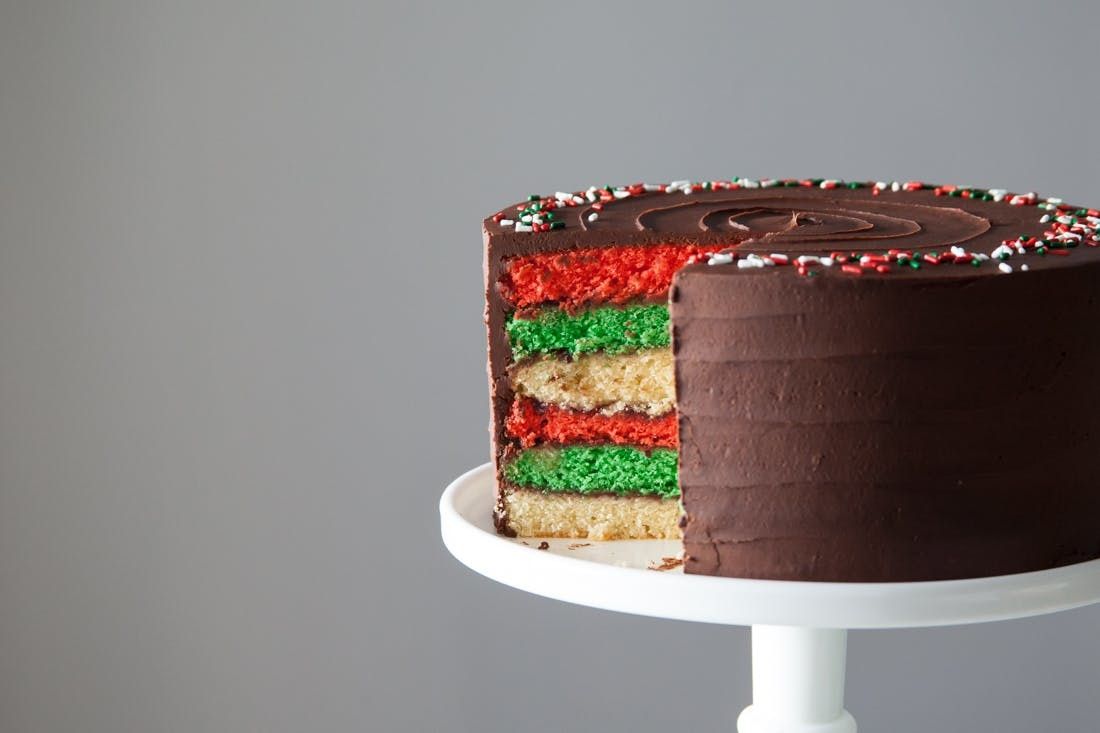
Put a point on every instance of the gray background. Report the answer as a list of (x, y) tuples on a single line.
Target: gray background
[(241, 343)]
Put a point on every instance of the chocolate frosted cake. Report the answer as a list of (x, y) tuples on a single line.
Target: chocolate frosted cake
[(810, 379)]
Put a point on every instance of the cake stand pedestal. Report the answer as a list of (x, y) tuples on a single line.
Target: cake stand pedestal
[(799, 629)]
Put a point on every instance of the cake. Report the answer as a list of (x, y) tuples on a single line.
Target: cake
[(804, 379)]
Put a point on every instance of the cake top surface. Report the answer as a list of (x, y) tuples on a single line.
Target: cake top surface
[(816, 225)]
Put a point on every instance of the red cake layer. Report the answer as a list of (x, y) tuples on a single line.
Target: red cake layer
[(531, 424), (612, 274)]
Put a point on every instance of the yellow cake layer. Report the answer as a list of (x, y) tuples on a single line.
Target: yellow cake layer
[(532, 513), (642, 381)]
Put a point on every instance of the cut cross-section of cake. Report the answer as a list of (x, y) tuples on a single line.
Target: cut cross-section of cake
[(587, 440)]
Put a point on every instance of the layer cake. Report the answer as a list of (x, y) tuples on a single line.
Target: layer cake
[(808, 379)]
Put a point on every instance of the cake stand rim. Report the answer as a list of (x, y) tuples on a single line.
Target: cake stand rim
[(746, 601)]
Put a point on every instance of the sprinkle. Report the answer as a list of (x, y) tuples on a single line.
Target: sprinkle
[(593, 216), (720, 258), (506, 222), (1023, 268), (1005, 267)]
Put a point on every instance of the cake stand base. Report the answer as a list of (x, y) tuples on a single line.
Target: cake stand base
[(797, 681), (799, 629)]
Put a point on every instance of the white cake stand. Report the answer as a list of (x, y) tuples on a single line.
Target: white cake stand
[(799, 630)]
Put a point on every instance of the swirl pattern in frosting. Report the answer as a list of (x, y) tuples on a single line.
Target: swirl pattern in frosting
[(799, 218)]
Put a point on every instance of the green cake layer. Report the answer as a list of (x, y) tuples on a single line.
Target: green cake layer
[(612, 330), (596, 469)]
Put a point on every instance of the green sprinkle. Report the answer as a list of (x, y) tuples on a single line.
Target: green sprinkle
[(914, 264)]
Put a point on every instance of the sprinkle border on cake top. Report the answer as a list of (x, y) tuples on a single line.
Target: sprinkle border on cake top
[(1067, 227)]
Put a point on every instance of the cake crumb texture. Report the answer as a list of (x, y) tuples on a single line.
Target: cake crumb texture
[(642, 381), (612, 330), (533, 424), (594, 469), (607, 275), (537, 514)]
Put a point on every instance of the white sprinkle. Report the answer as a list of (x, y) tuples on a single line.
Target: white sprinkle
[(506, 222), (1044, 219), (720, 258), (980, 256), (827, 261), (1001, 250), (1023, 268), (958, 251), (749, 183), (1065, 220), (747, 264), (526, 218), (593, 216), (563, 196), (808, 260), (998, 194), (620, 194), (895, 186), (768, 183), (679, 184), (1054, 201), (1005, 267), (651, 187), (881, 185), (1020, 249), (591, 195), (522, 227)]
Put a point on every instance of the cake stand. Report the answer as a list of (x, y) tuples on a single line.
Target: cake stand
[(799, 629)]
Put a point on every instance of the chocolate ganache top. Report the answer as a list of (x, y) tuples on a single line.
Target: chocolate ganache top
[(816, 225)]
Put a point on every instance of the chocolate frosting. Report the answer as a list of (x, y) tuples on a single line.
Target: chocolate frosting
[(917, 425)]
